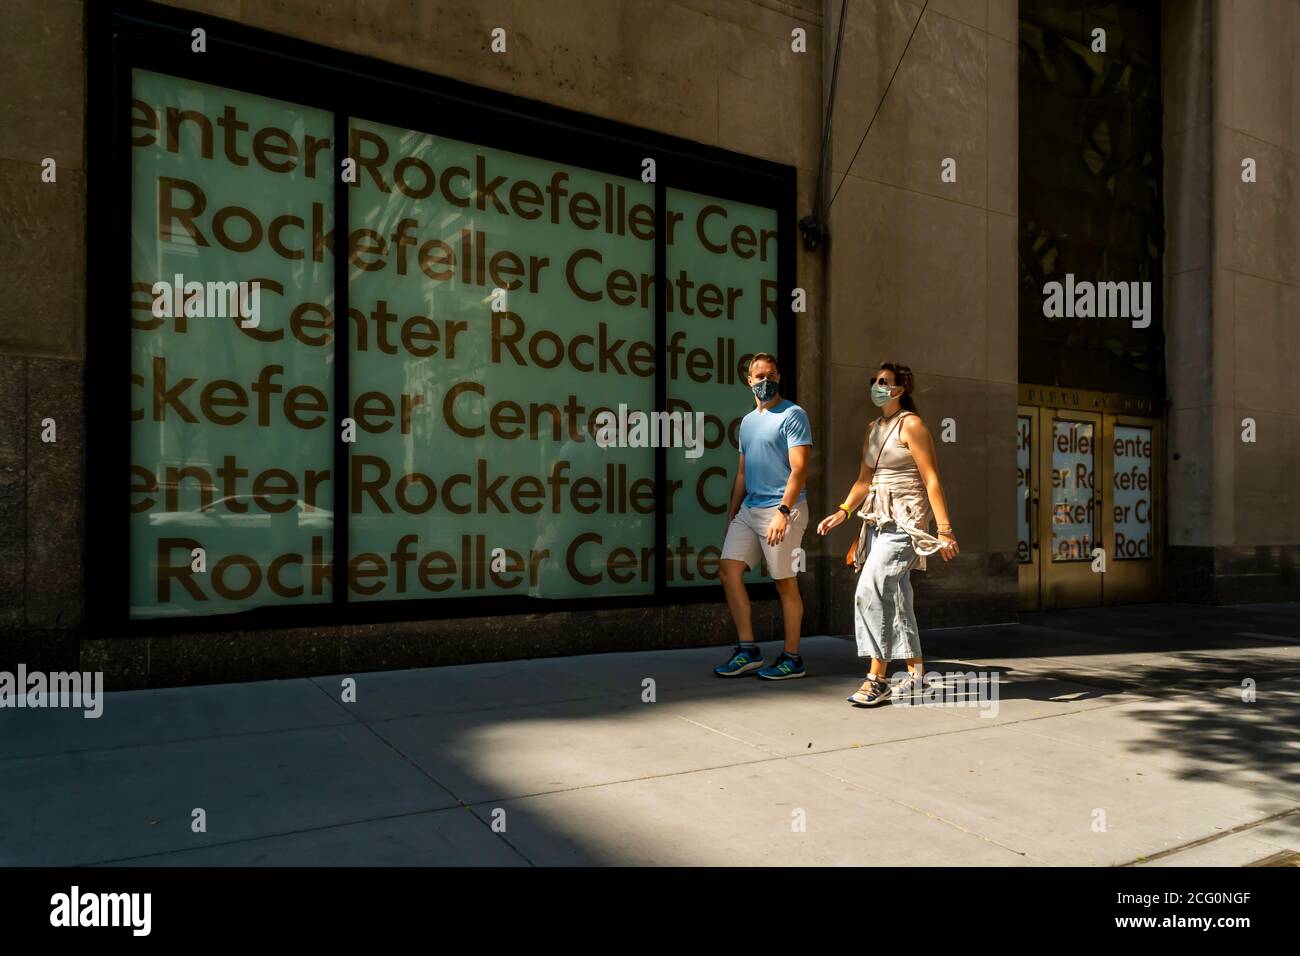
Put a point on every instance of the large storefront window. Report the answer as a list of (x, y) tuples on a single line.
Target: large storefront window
[(722, 309), (489, 332), (499, 362), (232, 425)]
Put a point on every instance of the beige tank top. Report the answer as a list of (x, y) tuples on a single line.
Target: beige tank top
[(895, 458), (897, 490)]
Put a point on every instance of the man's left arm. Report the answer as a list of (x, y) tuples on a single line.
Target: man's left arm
[(798, 475), (793, 486), (798, 442)]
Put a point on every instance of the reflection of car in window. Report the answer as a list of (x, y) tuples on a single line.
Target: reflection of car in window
[(246, 514), (302, 532)]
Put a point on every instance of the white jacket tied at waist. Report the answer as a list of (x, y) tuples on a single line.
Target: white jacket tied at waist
[(903, 500)]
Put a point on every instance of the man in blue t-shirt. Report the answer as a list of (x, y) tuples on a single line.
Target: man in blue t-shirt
[(766, 519)]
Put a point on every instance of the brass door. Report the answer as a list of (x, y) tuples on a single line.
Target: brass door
[(1088, 500), (1130, 520), (1027, 518)]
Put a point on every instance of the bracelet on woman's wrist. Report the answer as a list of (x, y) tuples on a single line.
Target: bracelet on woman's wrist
[(845, 507)]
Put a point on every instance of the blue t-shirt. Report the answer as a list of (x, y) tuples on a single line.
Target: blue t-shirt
[(765, 440)]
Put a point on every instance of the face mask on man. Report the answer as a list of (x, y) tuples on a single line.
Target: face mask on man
[(880, 395), (765, 389)]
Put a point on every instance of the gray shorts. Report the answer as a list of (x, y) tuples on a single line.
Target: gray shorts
[(747, 540)]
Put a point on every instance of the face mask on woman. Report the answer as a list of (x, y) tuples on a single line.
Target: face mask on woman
[(880, 395)]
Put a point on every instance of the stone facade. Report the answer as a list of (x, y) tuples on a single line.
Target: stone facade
[(1232, 81), (923, 272)]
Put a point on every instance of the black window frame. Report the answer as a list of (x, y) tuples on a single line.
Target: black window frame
[(123, 35)]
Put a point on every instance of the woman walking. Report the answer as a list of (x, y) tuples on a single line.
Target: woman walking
[(899, 492)]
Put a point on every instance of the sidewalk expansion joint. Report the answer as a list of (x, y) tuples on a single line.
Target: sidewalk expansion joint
[(1214, 837), (285, 833)]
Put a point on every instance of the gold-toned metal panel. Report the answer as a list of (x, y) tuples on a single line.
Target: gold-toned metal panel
[(1087, 481), (1077, 399)]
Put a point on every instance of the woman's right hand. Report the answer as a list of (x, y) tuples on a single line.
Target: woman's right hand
[(832, 521)]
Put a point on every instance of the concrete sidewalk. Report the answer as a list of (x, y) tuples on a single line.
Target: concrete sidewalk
[(1129, 716)]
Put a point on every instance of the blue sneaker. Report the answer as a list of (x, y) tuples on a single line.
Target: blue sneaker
[(784, 667), (742, 662)]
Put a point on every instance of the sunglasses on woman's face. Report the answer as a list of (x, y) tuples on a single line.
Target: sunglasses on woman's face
[(883, 381)]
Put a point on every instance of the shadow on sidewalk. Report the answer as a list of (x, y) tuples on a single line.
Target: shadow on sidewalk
[(580, 767)]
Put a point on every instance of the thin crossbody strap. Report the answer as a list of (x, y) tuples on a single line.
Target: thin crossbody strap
[(898, 424)]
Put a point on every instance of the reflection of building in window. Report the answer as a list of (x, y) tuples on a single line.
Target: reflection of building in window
[(1090, 195), (420, 376)]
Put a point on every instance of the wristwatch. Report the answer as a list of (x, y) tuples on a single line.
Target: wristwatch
[(785, 510)]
